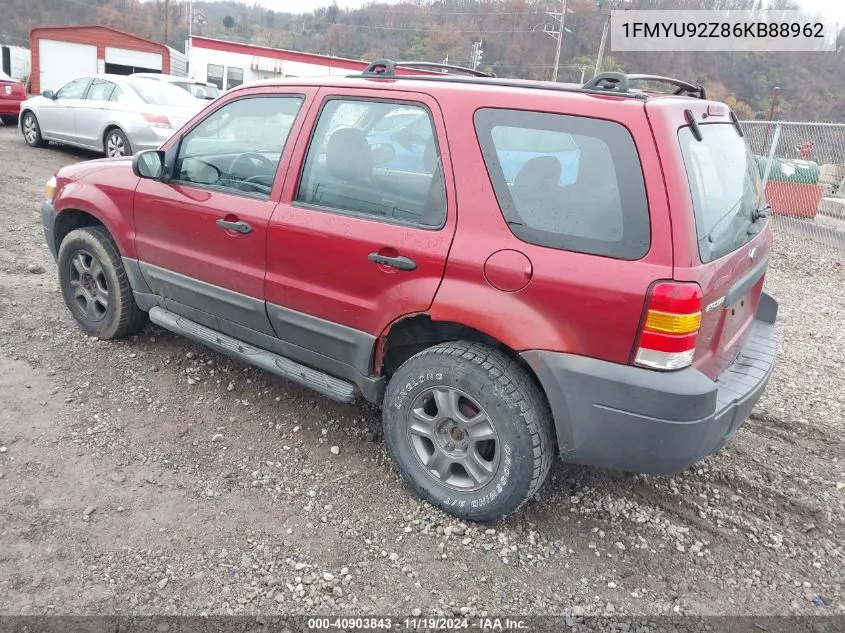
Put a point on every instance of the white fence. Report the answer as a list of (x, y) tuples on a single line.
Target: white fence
[(803, 169)]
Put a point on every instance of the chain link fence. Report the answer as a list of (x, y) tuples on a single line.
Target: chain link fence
[(803, 171)]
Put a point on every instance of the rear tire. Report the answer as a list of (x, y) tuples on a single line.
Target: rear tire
[(116, 144), (469, 430), (9, 119), (32, 131), (95, 286)]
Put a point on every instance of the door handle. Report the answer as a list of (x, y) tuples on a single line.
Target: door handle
[(239, 227), (400, 261)]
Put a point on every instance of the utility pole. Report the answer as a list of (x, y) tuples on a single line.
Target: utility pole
[(600, 56), (557, 33), (166, 19), (475, 55)]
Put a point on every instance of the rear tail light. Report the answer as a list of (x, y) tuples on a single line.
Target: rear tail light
[(670, 327), (158, 120)]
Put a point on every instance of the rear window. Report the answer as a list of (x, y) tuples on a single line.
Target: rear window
[(200, 91), (160, 93), (725, 187), (561, 180)]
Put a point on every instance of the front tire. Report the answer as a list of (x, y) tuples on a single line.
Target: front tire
[(9, 119), (469, 430), (117, 144), (32, 131), (95, 286)]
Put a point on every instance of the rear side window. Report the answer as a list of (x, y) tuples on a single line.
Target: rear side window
[(566, 182), (725, 187)]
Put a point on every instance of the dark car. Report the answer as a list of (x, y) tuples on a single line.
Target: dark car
[(616, 316)]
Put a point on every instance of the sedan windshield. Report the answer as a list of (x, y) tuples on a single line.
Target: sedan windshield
[(160, 93)]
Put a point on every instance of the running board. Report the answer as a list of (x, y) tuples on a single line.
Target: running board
[(329, 386)]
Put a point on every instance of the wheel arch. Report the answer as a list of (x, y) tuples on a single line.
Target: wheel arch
[(413, 333), (79, 215)]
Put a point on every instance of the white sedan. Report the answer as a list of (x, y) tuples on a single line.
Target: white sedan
[(113, 114)]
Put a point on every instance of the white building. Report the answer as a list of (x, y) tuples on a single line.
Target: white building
[(15, 61), (229, 64)]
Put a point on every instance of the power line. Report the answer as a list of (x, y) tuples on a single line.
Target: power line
[(416, 30)]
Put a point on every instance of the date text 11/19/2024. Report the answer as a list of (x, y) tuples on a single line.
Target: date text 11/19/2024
[(417, 624)]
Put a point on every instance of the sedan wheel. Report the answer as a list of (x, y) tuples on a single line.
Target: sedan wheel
[(32, 131), (117, 145)]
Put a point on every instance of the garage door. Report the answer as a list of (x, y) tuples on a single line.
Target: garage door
[(133, 59), (59, 62)]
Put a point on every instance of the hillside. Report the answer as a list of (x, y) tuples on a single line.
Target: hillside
[(812, 85)]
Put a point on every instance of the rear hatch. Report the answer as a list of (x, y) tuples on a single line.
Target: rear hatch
[(722, 237)]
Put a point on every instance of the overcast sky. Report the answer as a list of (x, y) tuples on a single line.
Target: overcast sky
[(833, 10)]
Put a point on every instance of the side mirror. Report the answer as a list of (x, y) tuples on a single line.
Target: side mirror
[(48, 94), (148, 164)]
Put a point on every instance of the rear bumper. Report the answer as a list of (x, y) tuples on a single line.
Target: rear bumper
[(628, 418), (9, 107)]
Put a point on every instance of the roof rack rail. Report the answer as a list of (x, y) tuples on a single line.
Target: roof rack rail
[(621, 83), (387, 68)]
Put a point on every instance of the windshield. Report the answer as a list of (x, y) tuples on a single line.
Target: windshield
[(725, 187), (5, 77), (200, 91), (160, 93)]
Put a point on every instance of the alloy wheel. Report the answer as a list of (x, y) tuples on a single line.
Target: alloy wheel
[(29, 129), (453, 438), (115, 147), (89, 287)]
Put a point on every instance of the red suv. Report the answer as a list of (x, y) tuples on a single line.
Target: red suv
[(506, 267)]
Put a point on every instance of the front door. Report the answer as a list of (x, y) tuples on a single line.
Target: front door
[(56, 116), (201, 237), (359, 239)]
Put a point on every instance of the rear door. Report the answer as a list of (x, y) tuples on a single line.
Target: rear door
[(716, 192), (91, 114), (356, 243)]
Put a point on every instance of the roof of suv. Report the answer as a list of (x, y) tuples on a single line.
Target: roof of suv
[(605, 84)]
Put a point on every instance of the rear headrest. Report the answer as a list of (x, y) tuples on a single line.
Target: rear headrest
[(348, 155), (594, 159), (538, 173)]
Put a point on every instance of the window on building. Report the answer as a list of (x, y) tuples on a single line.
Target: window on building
[(234, 77), (214, 75)]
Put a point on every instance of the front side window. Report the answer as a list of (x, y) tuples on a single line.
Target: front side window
[(234, 77), (567, 182), (377, 159), (73, 90), (725, 187), (214, 73), (238, 147), (100, 90)]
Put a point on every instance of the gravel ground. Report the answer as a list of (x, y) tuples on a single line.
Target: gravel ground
[(154, 476)]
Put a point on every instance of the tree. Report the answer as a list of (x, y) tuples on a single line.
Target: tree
[(229, 22)]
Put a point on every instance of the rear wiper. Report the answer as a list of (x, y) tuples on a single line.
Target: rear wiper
[(761, 212)]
